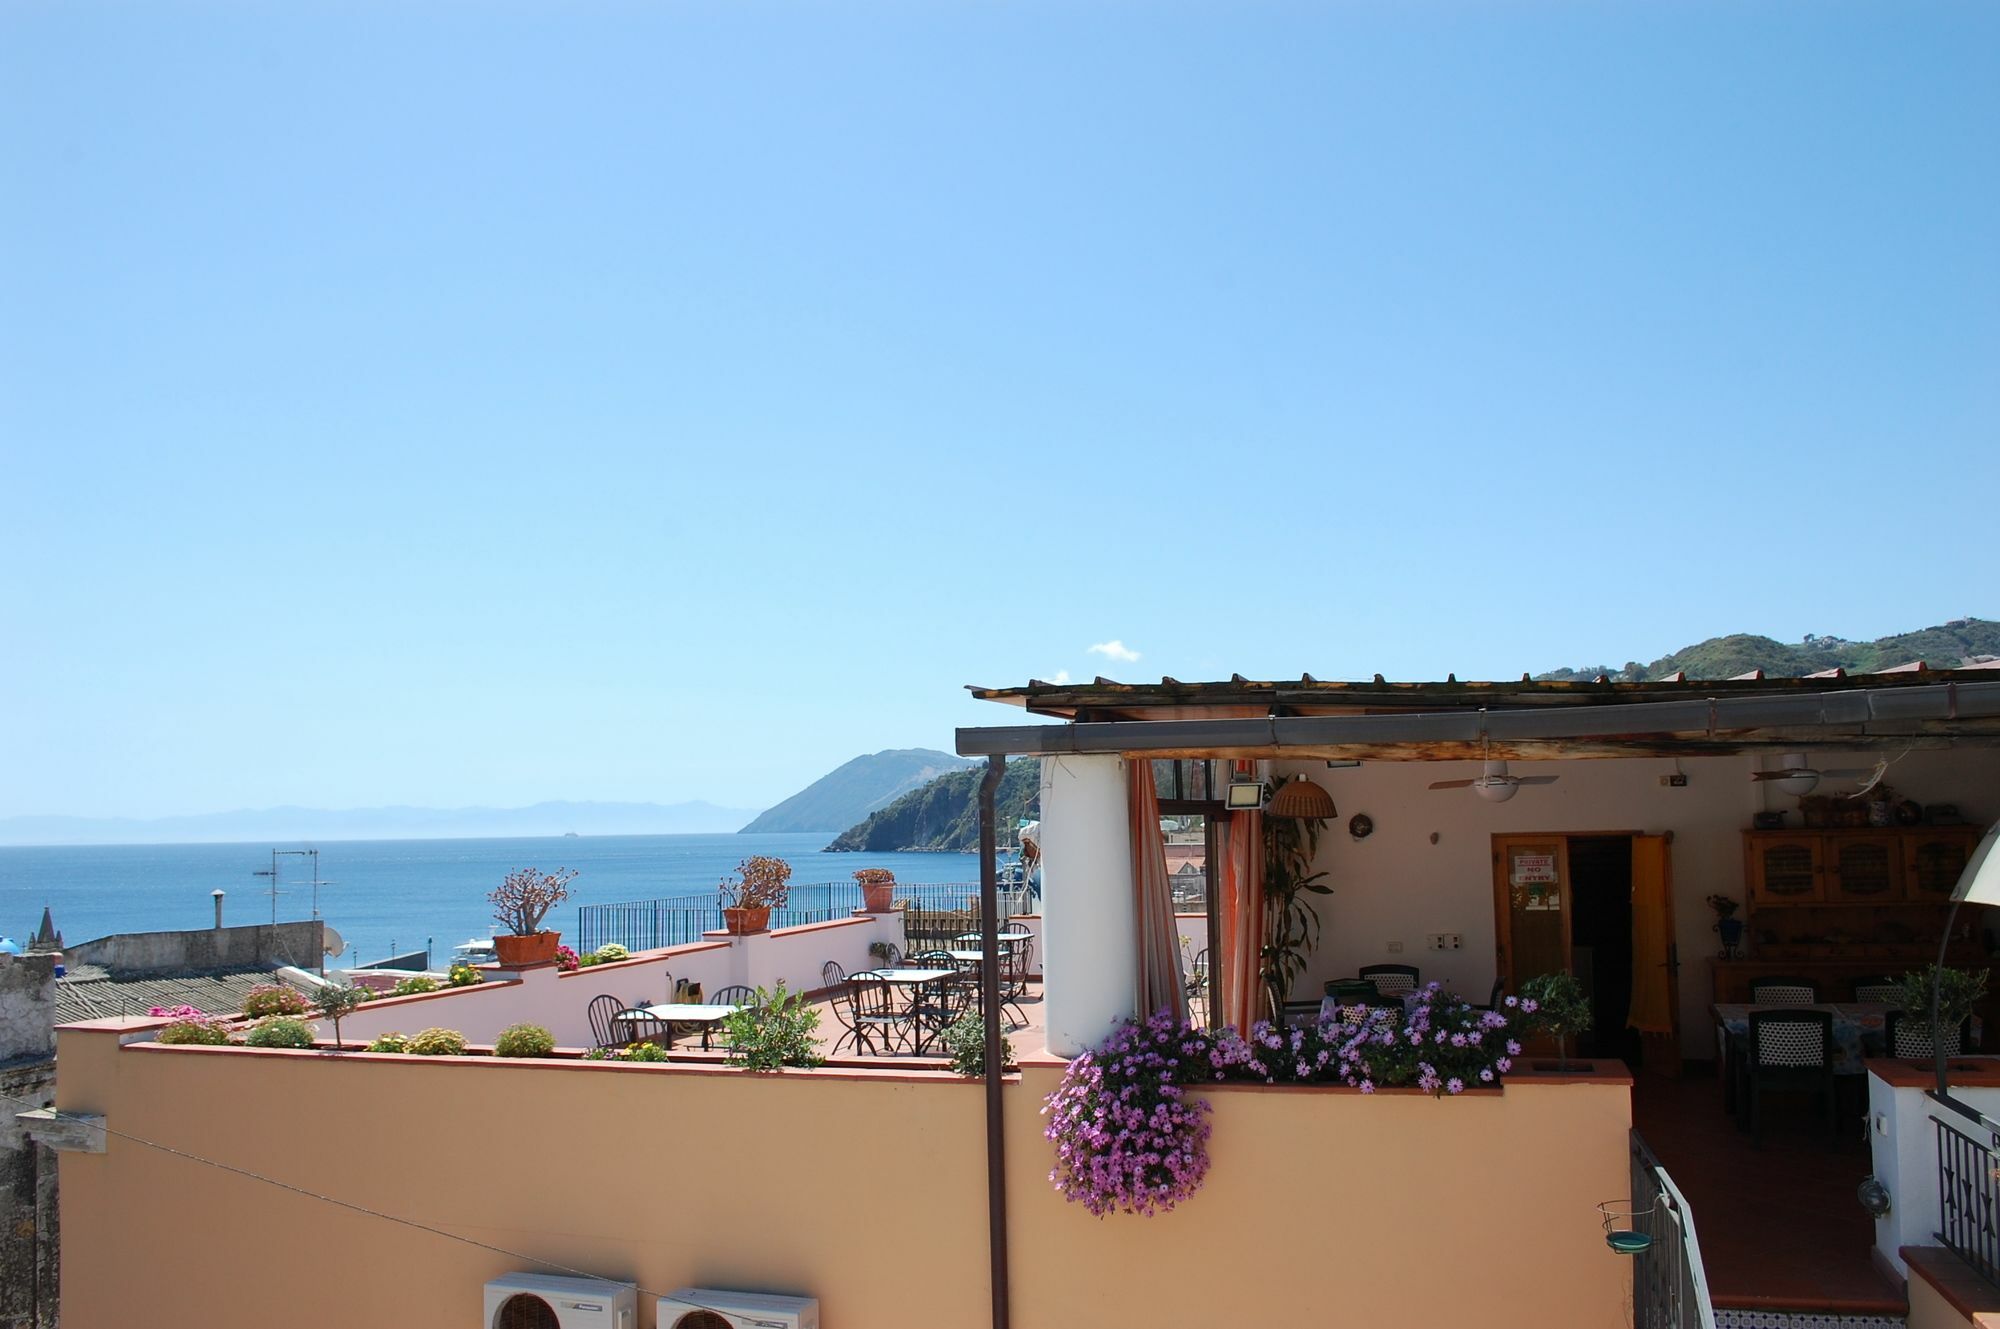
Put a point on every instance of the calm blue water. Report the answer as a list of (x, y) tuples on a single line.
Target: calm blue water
[(390, 895)]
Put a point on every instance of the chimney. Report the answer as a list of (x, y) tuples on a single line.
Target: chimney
[(218, 911)]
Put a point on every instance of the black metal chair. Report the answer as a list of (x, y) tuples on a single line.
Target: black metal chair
[(1783, 990), (604, 1030), (1390, 979), (1908, 1034), (1195, 987), (736, 994), (1880, 989), (874, 1013), (831, 975), (1788, 1051)]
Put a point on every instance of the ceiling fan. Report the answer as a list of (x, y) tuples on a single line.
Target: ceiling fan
[(1493, 783), (1797, 778)]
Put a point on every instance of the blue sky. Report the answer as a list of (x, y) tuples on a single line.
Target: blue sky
[(453, 403)]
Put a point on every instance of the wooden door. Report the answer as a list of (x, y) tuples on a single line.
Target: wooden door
[(1531, 906), (1864, 868), (1784, 868), (1656, 998)]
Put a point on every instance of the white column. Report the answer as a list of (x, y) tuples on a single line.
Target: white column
[(1090, 966)]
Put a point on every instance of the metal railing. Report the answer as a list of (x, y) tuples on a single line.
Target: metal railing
[(934, 913), (1969, 1198), (1669, 1288)]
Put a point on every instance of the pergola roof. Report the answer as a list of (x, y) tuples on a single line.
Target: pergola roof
[(1532, 719)]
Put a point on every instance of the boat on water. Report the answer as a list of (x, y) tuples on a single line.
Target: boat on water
[(479, 950)]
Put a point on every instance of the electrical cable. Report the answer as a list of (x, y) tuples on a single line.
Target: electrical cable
[(350, 1205)]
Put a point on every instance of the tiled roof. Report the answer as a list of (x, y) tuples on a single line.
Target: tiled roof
[(88, 992)]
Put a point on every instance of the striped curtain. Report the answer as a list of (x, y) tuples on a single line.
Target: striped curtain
[(1240, 988), (1157, 942)]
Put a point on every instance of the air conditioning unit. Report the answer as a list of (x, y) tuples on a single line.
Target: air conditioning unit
[(714, 1308), (544, 1301)]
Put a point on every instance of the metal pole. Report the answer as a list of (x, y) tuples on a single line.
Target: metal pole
[(989, 987), (1937, 994)]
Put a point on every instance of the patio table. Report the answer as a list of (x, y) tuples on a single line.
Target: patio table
[(1857, 1029), (679, 1012), (1012, 934), (915, 980)]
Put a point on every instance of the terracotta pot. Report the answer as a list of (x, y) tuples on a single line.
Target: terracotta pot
[(743, 922), (537, 949), (878, 898)]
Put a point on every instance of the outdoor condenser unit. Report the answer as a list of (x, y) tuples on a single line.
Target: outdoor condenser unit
[(537, 1301), (709, 1308)]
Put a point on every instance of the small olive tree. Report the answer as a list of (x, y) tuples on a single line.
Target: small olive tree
[(338, 999)]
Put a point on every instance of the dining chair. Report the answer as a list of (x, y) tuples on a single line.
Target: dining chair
[(1391, 978), (736, 994), (1883, 990), (879, 1021), (831, 975), (1908, 1034), (1195, 987), (1785, 1051), (604, 1029), (1783, 990)]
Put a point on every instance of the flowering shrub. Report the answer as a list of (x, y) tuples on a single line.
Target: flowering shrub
[(611, 951), (390, 1042), (636, 1052), (414, 984), (280, 1031), (191, 1025), (463, 975), (524, 1040), (273, 999), (436, 1043), (1129, 1138)]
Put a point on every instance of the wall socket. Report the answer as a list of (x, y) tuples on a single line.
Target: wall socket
[(1674, 781), (1445, 941), (1395, 948)]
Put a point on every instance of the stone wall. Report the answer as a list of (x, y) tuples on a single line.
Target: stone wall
[(27, 1170), (261, 946)]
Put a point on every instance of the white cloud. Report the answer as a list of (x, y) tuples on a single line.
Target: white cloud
[(1059, 676), (1115, 650)]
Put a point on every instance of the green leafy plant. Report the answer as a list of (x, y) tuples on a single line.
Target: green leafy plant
[(636, 1052), (1555, 1004), (760, 882), (336, 1000), (273, 999), (191, 1026), (611, 952), (413, 985), (879, 950), (1291, 924), (1960, 992), (524, 1040), (774, 1031), (280, 1031), (524, 897), (436, 1043), (964, 1040), (1722, 905), (462, 975), (390, 1042)]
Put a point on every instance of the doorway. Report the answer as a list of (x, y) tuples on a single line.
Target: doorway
[(1597, 906)]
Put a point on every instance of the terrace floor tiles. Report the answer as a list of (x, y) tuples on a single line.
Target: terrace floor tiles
[(1779, 1226)]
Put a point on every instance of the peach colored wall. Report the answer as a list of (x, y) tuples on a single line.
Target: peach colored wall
[(864, 1189), (560, 1002)]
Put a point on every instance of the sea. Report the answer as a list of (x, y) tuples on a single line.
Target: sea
[(389, 897)]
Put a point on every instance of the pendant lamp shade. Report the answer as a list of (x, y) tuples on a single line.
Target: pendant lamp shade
[(1301, 798)]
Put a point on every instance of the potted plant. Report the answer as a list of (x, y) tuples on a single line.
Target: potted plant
[(878, 889), (520, 903), (1959, 992), (1555, 1004), (759, 885), (1727, 925)]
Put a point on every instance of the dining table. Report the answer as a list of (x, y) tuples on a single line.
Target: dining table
[(1858, 1030), (915, 980), (707, 1015)]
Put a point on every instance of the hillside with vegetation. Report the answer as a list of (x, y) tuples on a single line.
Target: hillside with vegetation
[(1944, 647), (944, 814), (855, 789)]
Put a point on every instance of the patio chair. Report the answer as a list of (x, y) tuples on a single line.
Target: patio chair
[(1783, 990), (1908, 1034), (1195, 986), (879, 1022), (1883, 990), (1390, 979), (736, 994), (831, 975), (604, 1031), (1015, 960), (1788, 1050)]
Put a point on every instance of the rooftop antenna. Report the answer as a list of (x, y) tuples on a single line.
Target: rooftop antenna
[(273, 873)]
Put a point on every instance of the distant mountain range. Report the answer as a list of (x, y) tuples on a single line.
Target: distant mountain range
[(1948, 646), (386, 823), (944, 814), (850, 793)]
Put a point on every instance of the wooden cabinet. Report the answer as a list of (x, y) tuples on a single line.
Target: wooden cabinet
[(1891, 865), (1863, 868), (1784, 868), (1933, 858)]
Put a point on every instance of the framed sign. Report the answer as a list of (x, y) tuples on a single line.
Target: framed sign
[(1531, 869)]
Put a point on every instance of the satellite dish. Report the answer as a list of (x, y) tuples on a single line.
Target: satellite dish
[(334, 943)]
